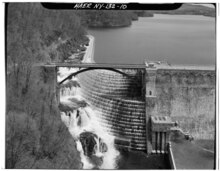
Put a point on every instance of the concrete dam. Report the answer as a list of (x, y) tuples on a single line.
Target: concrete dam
[(126, 104), (139, 104), (120, 102)]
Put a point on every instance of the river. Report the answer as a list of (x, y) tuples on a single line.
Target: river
[(177, 39)]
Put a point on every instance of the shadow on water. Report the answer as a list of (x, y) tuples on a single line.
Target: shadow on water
[(189, 155), (140, 160)]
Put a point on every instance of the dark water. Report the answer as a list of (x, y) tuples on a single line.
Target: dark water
[(140, 160), (178, 39), (189, 155)]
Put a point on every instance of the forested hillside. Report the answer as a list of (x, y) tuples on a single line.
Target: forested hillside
[(104, 18), (35, 135), (189, 9)]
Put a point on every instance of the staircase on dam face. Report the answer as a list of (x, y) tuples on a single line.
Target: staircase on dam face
[(120, 103)]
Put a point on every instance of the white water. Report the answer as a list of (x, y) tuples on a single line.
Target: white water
[(85, 120)]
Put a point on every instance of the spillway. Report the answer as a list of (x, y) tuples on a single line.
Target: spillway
[(120, 102)]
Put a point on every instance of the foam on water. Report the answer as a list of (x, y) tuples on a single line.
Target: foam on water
[(84, 119)]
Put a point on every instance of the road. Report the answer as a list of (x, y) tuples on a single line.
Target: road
[(89, 53)]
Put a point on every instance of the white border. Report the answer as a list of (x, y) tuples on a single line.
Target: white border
[(2, 87), (2, 62)]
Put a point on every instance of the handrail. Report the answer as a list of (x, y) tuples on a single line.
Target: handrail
[(171, 157), (98, 65)]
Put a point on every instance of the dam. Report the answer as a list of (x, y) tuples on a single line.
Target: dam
[(140, 110)]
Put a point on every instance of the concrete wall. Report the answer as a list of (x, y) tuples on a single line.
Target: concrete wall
[(188, 96)]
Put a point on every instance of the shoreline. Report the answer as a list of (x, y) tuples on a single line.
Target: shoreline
[(89, 58), (89, 53)]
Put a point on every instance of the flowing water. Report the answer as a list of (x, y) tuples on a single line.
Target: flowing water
[(95, 145), (178, 39)]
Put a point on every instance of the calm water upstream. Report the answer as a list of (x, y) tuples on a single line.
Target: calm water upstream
[(178, 39)]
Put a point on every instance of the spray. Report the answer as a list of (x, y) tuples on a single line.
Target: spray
[(81, 119)]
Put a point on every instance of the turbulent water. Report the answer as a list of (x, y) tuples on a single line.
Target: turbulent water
[(95, 145)]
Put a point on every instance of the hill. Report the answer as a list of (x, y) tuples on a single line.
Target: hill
[(189, 9)]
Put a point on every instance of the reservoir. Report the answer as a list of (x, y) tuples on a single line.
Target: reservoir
[(177, 39)]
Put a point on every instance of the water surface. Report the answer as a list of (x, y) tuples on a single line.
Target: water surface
[(178, 39)]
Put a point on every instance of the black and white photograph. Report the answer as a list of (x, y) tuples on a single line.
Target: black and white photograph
[(115, 86)]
